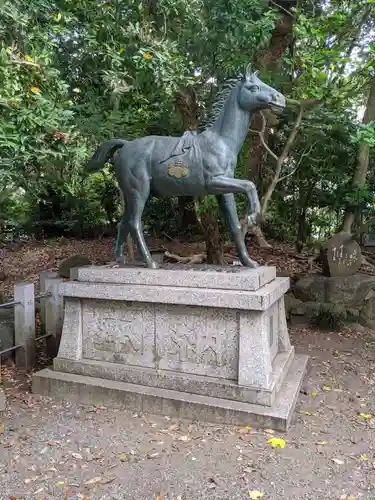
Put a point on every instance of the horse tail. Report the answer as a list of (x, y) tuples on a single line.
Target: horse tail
[(103, 154)]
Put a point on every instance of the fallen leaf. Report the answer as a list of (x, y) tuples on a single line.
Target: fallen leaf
[(124, 458), (106, 480), (242, 430), (277, 442), (365, 416), (249, 428), (93, 480), (314, 394), (255, 494), (307, 413), (364, 458), (338, 461), (59, 483), (322, 443), (326, 388)]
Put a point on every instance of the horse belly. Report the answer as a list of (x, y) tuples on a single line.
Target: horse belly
[(177, 178)]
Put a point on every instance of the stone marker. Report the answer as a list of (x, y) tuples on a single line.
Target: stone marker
[(341, 256), (160, 342)]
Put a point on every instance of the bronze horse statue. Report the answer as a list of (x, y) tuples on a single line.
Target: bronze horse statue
[(191, 165)]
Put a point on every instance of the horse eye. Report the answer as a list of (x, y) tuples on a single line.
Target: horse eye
[(254, 88)]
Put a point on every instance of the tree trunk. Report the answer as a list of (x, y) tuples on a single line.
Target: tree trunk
[(186, 102), (269, 59), (213, 239), (360, 173)]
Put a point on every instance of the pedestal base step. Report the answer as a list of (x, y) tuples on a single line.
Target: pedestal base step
[(132, 397)]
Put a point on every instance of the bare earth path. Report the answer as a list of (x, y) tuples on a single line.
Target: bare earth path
[(53, 450)]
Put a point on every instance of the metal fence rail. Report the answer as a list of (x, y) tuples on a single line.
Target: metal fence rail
[(51, 315)]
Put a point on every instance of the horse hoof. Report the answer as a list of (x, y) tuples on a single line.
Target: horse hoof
[(121, 260)]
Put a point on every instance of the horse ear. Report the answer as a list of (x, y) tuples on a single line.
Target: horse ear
[(248, 73)]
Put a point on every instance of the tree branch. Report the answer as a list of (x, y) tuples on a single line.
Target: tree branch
[(305, 153), (261, 136), (272, 2)]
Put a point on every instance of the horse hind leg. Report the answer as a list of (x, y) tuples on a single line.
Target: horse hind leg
[(134, 211), (122, 233)]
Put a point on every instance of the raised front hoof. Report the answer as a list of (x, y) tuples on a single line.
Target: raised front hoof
[(153, 265)]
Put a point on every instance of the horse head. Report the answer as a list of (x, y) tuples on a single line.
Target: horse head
[(255, 95)]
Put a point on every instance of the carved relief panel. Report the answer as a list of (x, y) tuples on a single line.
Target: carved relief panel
[(118, 332), (201, 341)]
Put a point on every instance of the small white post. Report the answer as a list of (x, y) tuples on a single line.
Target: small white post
[(54, 314), (24, 325), (44, 275)]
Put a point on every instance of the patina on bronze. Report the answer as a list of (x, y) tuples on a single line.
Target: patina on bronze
[(144, 166)]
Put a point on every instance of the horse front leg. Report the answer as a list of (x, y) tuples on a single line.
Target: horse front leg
[(224, 188), (227, 205)]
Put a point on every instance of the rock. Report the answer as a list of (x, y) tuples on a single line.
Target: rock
[(293, 306), (357, 327), (367, 314), (341, 256), (73, 261), (350, 291)]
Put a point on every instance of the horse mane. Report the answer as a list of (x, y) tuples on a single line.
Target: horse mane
[(221, 96)]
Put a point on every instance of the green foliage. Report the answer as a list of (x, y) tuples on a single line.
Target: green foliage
[(73, 73), (330, 317), (365, 134)]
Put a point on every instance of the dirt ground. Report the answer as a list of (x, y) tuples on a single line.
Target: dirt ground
[(25, 261), (54, 450)]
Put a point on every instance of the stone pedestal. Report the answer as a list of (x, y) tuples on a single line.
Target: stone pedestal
[(195, 343)]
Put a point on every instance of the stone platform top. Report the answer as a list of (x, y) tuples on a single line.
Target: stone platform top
[(259, 300), (187, 276)]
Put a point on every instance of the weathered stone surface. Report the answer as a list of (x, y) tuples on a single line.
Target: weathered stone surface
[(367, 313), (260, 300), (293, 306), (91, 390), (198, 340), (341, 256), (72, 262), (118, 332), (350, 291), (221, 343), (178, 381), (193, 276), (203, 342)]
